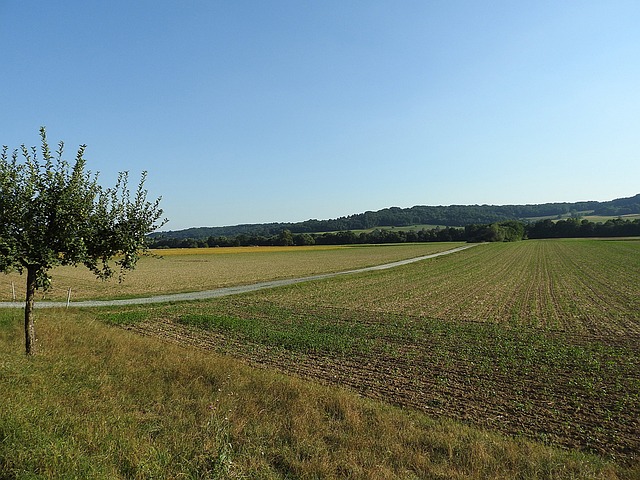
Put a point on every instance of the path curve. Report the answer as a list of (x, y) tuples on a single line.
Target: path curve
[(221, 292)]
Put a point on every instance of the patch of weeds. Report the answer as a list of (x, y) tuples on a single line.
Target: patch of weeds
[(10, 316), (127, 317), (303, 336)]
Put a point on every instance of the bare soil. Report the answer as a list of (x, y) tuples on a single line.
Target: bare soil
[(522, 402)]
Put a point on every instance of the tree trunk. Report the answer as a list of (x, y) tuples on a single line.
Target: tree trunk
[(29, 328)]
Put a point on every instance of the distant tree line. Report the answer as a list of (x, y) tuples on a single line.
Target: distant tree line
[(346, 237), (576, 228), (448, 216), (506, 231)]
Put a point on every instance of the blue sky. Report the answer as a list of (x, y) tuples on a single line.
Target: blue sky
[(278, 111)]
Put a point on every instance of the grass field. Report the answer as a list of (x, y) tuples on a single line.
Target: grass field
[(484, 351), (602, 219), (586, 215), (102, 403), (406, 228), (197, 269)]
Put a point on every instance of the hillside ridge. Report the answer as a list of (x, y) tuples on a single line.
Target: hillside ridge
[(450, 216)]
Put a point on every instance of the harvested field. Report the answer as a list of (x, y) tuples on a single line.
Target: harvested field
[(536, 338), (198, 269)]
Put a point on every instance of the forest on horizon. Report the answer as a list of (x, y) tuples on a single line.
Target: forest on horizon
[(444, 216)]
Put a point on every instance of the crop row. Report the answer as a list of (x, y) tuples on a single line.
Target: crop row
[(587, 287)]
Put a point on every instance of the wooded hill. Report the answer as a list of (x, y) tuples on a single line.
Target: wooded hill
[(451, 216)]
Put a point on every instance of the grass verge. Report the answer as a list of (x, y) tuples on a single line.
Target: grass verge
[(99, 402)]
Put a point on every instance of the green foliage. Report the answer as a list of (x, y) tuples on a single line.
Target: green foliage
[(308, 335), (304, 239), (575, 228), (509, 231), (285, 238), (124, 317), (506, 231), (54, 213)]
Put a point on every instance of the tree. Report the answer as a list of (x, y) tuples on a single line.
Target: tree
[(53, 213), (303, 239), (513, 230), (285, 238)]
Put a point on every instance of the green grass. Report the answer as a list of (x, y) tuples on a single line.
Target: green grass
[(586, 215), (526, 367), (308, 336), (579, 286), (337, 330), (535, 339), (119, 317), (563, 216), (100, 402)]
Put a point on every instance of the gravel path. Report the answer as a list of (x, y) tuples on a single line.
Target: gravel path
[(221, 292)]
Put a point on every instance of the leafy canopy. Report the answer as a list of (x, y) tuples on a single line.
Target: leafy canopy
[(54, 213)]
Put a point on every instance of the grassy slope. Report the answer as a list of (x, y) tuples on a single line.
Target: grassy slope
[(99, 402)]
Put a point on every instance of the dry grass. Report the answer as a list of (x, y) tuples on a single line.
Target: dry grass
[(99, 402), (188, 270)]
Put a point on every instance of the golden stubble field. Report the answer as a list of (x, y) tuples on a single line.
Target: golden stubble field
[(198, 269)]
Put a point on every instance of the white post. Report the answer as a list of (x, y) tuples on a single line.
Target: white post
[(13, 290), (68, 296)]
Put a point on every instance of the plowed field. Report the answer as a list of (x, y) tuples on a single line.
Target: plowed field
[(536, 338)]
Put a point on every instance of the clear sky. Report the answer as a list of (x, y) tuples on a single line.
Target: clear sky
[(281, 111)]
